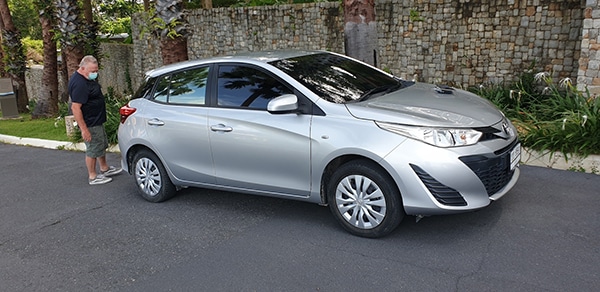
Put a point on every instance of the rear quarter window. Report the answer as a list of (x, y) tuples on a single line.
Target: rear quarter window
[(187, 87), (145, 89)]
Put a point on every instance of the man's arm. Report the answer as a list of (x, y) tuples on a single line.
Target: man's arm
[(78, 114)]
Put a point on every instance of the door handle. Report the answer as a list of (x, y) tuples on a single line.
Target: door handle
[(156, 122), (221, 128)]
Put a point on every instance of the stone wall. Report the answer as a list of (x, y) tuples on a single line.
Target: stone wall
[(458, 42), (469, 42), (116, 68), (223, 31), (589, 62), (33, 82), (116, 65)]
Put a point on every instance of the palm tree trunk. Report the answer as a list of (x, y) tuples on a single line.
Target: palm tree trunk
[(47, 101), (92, 45), (15, 56), (69, 25), (173, 50), (173, 36), (3, 73), (87, 11)]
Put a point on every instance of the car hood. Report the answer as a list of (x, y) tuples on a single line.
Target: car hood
[(428, 105)]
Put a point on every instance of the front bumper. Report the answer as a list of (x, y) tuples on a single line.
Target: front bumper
[(452, 180)]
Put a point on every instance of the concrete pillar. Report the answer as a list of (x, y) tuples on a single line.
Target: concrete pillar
[(588, 74)]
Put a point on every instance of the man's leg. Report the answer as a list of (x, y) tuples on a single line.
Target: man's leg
[(106, 169), (96, 150), (102, 161), (90, 163)]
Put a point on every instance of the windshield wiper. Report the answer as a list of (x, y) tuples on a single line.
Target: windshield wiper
[(381, 90)]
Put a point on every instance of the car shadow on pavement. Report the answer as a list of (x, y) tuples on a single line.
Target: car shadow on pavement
[(200, 202)]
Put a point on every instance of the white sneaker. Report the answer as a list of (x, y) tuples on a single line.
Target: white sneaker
[(111, 171), (100, 180)]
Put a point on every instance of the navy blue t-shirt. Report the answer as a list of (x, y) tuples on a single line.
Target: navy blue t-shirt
[(89, 94)]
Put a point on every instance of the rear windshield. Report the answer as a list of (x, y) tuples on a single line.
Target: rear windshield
[(336, 78)]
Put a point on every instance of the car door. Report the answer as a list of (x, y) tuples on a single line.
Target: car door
[(252, 148), (176, 119)]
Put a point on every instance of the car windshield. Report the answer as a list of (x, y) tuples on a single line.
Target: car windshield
[(339, 79)]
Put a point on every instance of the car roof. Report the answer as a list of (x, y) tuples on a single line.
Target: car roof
[(259, 56)]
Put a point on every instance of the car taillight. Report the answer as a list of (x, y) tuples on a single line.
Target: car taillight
[(125, 112)]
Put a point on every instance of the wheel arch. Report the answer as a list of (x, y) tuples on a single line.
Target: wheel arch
[(343, 159), (153, 181), (133, 150)]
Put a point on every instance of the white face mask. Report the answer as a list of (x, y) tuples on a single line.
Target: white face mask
[(93, 76)]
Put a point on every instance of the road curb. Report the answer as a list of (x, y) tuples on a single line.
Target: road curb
[(49, 144), (557, 160)]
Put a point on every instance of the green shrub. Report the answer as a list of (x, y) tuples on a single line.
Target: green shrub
[(36, 45), (549, 117), (34, 50), (113, 117)]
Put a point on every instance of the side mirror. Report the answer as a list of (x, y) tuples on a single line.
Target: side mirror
[(284, 104)]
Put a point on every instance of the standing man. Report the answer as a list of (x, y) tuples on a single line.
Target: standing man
[(89, 110)]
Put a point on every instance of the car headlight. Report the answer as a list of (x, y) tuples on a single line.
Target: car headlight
[(441, 137)]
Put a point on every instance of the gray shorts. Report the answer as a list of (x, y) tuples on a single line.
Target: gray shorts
[(97, 147)]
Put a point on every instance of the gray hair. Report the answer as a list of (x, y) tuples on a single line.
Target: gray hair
[(87, 60)]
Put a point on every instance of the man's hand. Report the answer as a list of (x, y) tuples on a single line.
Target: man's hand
[(78, 114), (85, 134)]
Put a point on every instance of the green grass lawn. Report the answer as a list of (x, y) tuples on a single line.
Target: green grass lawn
[(51, 129)]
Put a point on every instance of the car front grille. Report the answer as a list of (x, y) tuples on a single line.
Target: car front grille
[(492, 169), (442, 193)]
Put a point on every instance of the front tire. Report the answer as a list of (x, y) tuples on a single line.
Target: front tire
[(364, 199), (151, 178)]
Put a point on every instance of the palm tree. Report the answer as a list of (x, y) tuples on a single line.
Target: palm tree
[(172, 30), (47, 101), (3, 73), (14, 56), (90, 30), (71, 35), (360, 31)]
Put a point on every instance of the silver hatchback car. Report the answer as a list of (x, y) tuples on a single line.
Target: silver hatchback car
[(319, 127)]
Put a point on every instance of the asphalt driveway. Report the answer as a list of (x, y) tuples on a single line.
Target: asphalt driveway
[(57, 233)]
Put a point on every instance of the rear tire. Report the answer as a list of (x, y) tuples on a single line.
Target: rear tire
[(364, 199), (151, 178)]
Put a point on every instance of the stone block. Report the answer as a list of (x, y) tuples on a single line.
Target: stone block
[(71, 125)]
